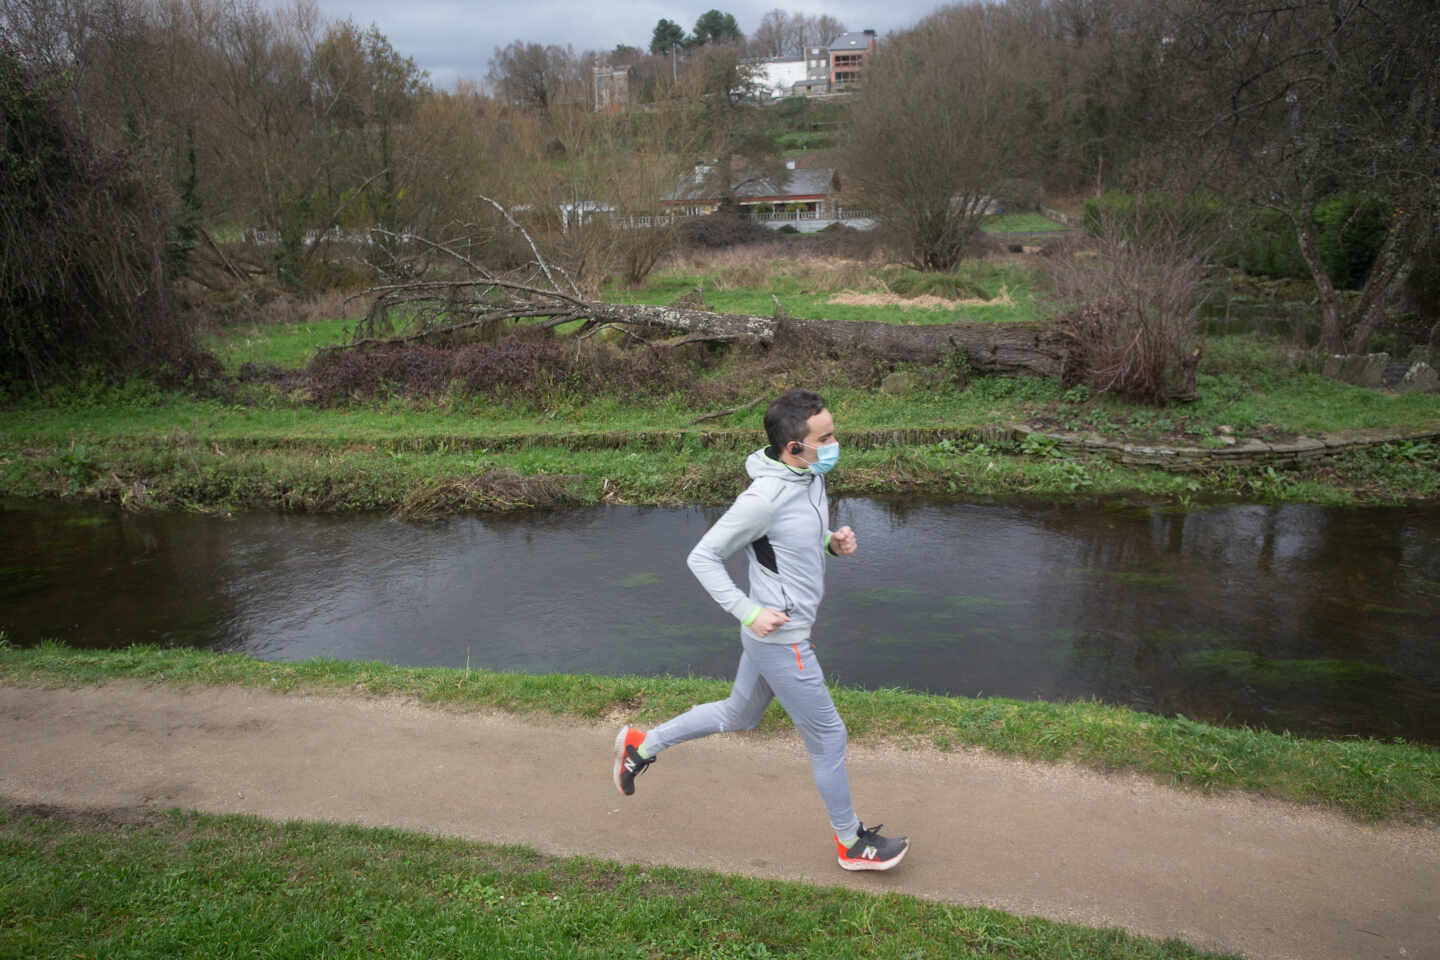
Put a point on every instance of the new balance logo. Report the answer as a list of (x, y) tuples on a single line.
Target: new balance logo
[(629, 764), (870, 853)]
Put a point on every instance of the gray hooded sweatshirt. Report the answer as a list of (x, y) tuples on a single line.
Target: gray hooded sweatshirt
[(781, 520)]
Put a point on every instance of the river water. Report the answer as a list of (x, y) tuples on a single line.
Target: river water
[(1315, 620)]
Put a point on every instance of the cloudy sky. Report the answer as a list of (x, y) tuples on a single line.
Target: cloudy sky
[(453, 39)]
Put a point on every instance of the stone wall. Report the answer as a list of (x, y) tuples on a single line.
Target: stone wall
[(1377, 370)]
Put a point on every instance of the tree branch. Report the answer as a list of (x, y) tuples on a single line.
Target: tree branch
[(725, 413), (533, 249)]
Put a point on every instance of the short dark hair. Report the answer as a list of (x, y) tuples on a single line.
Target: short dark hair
[(785, 418)]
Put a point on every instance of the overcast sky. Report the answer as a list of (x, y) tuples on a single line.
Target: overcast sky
[(453, 39)]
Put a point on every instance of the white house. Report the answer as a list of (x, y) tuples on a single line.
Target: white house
[(777, 76)]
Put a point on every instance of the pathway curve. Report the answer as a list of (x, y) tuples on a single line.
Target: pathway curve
[(1262, 878)]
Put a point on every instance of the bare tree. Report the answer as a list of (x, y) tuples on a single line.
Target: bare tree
[(780, 34), (821, 30), (784, 34), (726, 128), (771, 37), (934, 130), (1314, 98), (529, 74)]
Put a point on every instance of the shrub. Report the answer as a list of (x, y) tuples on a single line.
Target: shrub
[(1135, 331), (1348, 231), (907, 282), (1136, 216), (1266, 246), (721, 230), (529, 366), (85, 258)]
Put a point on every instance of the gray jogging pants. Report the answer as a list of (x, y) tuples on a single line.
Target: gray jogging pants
[(791, 673)]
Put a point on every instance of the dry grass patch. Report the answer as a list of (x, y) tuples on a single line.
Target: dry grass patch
[(762, 266), (851, 298), (494, 490)]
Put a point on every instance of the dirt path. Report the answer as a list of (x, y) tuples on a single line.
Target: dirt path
[(1256, 877)]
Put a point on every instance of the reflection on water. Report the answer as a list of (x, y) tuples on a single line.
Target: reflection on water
[(1315, 620)]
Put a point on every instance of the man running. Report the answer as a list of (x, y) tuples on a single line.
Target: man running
[(781, 521)]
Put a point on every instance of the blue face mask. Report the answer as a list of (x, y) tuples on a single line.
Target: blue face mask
[(827, 455)]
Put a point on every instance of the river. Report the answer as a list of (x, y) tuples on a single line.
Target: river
[(1324, 622)]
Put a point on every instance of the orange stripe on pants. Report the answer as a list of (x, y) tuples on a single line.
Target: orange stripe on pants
[(799, 664)]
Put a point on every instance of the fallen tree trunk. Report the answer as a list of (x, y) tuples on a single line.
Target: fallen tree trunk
[(1038, 349)]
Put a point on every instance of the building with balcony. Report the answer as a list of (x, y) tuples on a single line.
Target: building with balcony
[(850, 53)]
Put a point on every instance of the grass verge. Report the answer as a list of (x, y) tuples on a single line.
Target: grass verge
[(136, 883), (1366, 779)]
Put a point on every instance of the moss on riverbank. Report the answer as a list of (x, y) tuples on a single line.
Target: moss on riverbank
[(1365, 779)]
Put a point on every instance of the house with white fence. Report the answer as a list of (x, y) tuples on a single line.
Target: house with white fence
[(810, 198)]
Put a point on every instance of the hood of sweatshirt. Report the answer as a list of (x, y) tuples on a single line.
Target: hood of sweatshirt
[(760, 464)]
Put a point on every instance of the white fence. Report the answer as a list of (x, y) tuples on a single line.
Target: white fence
[(364, 235), (796, 216), (806, 221)]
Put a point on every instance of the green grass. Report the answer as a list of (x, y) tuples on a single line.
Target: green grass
[(1020, 223), (1366, 779), (141, 884), (795, 143), (283, 345)]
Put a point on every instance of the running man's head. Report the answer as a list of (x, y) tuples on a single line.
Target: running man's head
[(796, 423)]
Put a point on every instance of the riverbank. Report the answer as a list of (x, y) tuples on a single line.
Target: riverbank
[(1363, 778), (146, 448), (531, 420)]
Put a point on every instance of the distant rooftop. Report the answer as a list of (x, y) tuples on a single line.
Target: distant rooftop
[(807, 181), (853, 41)]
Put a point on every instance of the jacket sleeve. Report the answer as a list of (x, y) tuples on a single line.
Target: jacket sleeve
[(747, 520)]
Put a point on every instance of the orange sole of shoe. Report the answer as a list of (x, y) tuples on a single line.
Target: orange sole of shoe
[(857, 863)]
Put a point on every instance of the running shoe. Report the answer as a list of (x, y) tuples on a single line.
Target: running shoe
[(628, 762), (872, 851)]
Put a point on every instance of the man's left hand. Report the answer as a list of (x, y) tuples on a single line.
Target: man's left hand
[(842, 541)]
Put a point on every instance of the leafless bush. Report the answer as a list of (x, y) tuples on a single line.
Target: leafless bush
[(1135, 305), (720, 230)]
